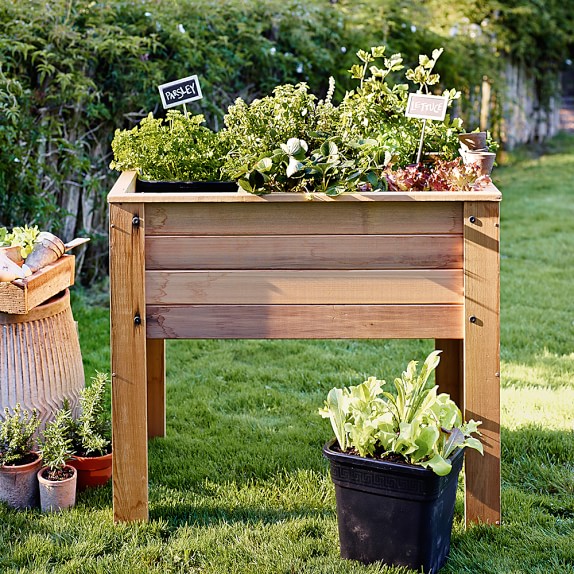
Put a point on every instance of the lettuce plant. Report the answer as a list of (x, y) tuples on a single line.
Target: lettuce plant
[(442, 175), (22, 236), (412, 421), (291, 167)]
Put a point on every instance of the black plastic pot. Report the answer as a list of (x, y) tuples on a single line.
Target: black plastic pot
[(395, 513), (143, 186)]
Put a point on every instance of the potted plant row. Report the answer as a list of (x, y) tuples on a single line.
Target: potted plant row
[(291, 141), (395, 461), (73, 453)]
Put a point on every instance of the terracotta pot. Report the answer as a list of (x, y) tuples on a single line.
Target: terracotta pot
[(92, 470), (56, 495), (473, 141), (14, 253), (19, 485), (485, 160), (47, 249)]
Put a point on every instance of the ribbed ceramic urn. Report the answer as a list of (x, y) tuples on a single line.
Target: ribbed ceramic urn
[(40, 358)]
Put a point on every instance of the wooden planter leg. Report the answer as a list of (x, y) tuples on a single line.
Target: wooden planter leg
[(128, 347), (482, 358), (449, 374), (155, 387)]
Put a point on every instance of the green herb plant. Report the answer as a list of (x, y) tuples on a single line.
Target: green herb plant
[(414, 422), (177, 148), (290, 141), (253, 131), (91, 429), (56, 446), (17, 435)]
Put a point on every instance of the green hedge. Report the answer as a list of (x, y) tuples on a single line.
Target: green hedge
[(72, 71)]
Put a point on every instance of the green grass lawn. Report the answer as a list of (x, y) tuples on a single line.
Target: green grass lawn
[(239, 484)]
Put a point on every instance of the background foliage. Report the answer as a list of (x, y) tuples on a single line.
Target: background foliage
[(72, 71)]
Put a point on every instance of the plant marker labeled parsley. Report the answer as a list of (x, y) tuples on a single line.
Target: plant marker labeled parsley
[(180, 92)]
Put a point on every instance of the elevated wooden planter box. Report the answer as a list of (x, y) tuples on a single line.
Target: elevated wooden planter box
[(22, 295), (233, 265)]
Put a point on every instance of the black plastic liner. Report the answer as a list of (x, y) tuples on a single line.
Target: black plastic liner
[(143, 186)]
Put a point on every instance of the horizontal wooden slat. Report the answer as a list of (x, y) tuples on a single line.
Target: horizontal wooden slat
[(428, 286), (371, 218), (305, 252), (305, 321)]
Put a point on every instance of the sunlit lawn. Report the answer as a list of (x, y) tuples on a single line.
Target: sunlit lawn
[(239, 483)]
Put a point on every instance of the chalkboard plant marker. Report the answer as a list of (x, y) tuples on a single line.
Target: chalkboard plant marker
[(180, 92)]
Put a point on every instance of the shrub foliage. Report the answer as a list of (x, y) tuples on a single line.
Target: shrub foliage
[(72, 71)]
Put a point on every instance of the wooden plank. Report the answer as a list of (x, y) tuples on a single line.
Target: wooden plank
[(155, 355), (482, 358), (124, 193), (304, 321), (128, 346), (21, 295), (124, 188), (272, 218), (304, 252), (449, 373), (428, 286)]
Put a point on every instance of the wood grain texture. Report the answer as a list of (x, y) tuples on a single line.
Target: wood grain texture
[(128, 346), (22, 295), (304, 252), (273, 218), (304, 321), (430, 286), (482, 358), (155, 356)]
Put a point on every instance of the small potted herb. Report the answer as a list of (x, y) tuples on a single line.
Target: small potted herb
[(172, 154), (19, 464), (395, 462), (91, 436), (57, 478)]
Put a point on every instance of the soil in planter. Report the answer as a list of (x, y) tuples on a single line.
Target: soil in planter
[(390, 457), (26, 459), (58, 475)]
